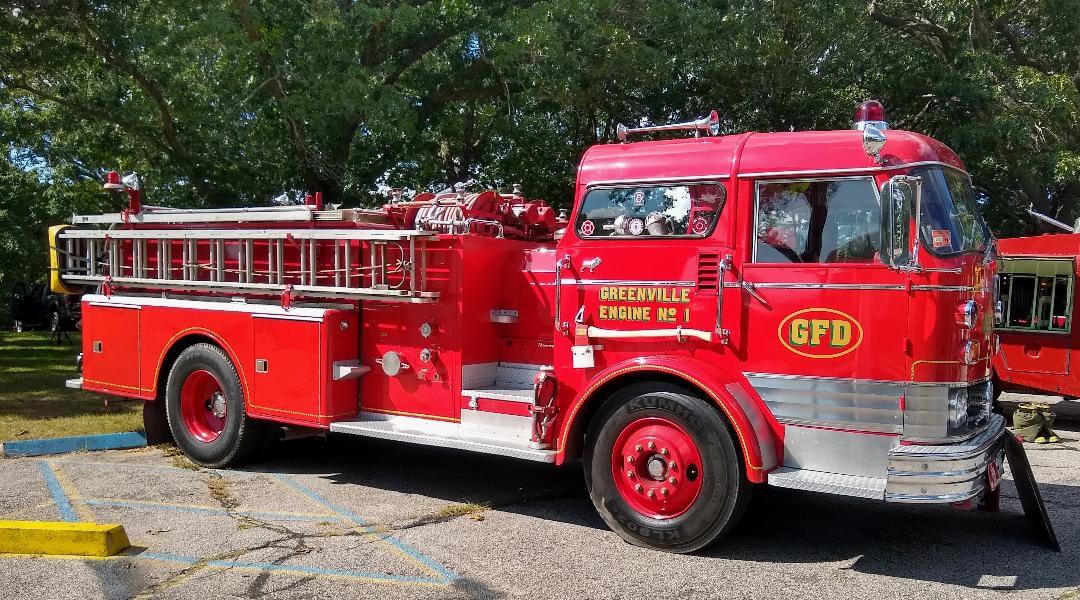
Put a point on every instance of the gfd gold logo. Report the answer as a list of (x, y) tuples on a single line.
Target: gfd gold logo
[(820, 333)]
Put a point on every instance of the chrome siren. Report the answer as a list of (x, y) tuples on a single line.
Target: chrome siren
[(710, 125)]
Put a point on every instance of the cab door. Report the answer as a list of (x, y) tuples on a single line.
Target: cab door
[(637, 273), (823, 320)]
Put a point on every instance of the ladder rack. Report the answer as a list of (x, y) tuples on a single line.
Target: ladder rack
[(378, 264)]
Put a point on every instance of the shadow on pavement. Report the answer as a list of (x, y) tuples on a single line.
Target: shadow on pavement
[(918, 542)]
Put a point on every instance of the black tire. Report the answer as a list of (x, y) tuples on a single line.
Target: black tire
[(724, 489), (240, 436), (156, 423)]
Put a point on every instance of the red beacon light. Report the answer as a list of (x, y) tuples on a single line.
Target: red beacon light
[(871, 113), (112, 181)]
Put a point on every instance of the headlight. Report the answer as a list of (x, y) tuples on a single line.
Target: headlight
[(958, 408)]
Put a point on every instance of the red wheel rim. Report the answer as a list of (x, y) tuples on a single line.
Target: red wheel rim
[(657, 468), (203, 406)]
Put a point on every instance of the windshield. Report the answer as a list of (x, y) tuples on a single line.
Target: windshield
[(950, 218)]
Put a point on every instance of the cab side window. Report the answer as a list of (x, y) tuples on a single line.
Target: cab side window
[(650, 211), (818, 221)]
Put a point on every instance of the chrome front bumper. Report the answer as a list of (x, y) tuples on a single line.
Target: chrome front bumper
[(946, 473)]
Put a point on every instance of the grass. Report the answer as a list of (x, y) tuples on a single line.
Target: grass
[(474, 510), (34, 402)]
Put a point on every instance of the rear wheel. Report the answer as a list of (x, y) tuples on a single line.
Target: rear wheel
[(204, 403), (663, 469)]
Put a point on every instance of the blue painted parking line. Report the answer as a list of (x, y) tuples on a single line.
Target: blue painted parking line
[(65, 496), (108, 441), (60, 498), (293, 569), (447, 575)]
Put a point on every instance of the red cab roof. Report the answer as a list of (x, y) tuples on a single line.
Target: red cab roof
[(749, 154), (1064, 244)]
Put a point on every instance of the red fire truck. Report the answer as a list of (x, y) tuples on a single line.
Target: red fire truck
[(810, 310), (1036, 340)]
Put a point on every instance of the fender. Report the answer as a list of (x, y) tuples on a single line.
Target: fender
[(759, 434), (218, 340)]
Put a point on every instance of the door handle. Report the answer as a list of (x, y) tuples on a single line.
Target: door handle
[(752, 290)]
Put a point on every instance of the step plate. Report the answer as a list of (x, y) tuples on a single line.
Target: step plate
[(438, 433), (828, 483)]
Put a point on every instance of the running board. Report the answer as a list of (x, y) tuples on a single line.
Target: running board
[(439, 433), (828, 483)]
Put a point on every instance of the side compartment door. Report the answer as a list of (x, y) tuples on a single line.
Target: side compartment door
[(111, 347), (1035, 333), (286, 383)]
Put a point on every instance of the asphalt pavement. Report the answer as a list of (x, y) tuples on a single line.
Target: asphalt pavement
[(366, 518)]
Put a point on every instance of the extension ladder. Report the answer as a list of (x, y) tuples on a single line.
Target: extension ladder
[(383, 264)]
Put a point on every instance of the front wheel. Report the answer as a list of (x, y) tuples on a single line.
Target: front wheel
[(204, 403), (663, 469)]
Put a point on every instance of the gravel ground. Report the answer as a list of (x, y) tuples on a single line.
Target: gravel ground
[(364, 518)]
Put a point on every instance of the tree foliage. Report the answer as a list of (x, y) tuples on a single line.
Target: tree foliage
[(235, 101)]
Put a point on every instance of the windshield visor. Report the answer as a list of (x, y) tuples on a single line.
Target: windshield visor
[(950, 220)]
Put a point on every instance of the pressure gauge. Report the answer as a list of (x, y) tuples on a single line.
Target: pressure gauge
[(426, 329)]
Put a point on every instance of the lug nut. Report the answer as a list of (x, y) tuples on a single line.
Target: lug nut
[(671, 465), (629, 459), (630, 474), (638, 488), (672, 480), (663, 492), (664, 451), (638, 448), (652, 445), (652, 494)]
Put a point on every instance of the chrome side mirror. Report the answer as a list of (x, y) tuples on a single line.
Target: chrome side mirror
[(873, 140), (901, 199)]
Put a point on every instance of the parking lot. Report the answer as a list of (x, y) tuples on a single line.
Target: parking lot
[(365, 518)]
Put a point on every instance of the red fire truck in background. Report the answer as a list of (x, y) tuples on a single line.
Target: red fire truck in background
[(810, 310), (1036, 340)]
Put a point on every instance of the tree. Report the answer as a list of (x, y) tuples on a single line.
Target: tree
[(234, 102)]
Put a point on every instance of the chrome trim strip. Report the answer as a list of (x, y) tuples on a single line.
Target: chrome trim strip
[(749, 374), (287, 317), (629, 282), (942, 288), (846, 426), (854, 286), (716, 179), (823, 172), (831, 286), (226, 306), (115, 305)]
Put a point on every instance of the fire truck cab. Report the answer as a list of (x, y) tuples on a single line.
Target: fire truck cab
[(810, 310)]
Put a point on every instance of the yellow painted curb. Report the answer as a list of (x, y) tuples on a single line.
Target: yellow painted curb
[(49, 537)]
